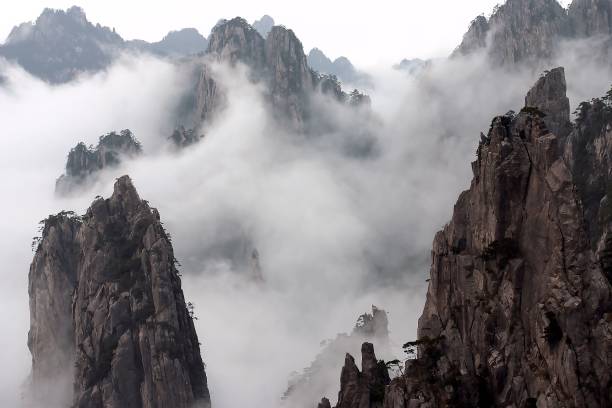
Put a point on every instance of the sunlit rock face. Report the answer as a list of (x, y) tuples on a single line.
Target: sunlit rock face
[(532, 31), (84, 163), (519, 305), (108, 321)]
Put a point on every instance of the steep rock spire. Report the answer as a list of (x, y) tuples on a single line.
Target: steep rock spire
[(107, 310)]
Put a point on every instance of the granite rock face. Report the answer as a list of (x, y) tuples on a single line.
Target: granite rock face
[(290, 78), (531, 31), (590, 17), (107, 313), (85, 163), (519, 305), (548, 95), (589, 152)]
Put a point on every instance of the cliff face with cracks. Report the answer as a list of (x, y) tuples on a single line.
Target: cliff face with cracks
[(519, 305), (108, 321)]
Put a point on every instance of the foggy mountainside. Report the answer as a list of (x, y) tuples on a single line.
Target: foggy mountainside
[(235, 219)]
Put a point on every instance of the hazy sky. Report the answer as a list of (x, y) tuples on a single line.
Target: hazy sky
[(368, 32)]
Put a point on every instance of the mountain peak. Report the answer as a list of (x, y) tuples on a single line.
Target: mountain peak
[(549, 94), (235, 40), (264, 25), (107, 311), (61, 44)]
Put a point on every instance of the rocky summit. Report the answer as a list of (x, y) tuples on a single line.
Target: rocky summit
[(519, 305), (109, 326)]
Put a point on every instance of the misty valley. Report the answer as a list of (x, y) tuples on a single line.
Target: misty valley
[(231, 220)]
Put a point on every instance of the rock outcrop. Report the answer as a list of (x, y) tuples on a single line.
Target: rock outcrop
[(531, 31), (548, 95), (519, 305), (107, 313), (318, 377), (85, 163), (365, 388)]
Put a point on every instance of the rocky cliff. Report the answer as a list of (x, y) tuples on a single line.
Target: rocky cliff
[(519, 305), (108, 321), (590, 17), (84, 163), (531, 31)]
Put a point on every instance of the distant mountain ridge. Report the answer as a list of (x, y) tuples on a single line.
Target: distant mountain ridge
[(264, 25), (60, 45), (341, 67)]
